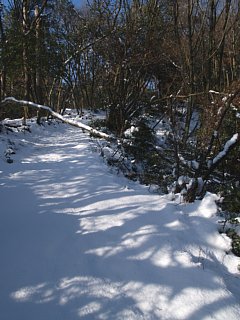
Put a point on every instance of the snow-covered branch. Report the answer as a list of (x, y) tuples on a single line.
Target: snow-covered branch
[(229, 145), (226, 148), (77, 124)]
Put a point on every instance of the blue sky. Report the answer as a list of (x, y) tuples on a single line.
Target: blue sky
[(77, 3)]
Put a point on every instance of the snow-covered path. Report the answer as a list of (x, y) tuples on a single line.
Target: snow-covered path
[(77, 242)]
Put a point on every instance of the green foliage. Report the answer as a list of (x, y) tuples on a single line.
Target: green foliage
[(143, 140), (231, 233), (231, 201), (141, 148), (98, 123), (45, 53), (230, 206)]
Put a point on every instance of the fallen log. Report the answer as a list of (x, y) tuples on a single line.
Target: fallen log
[(56, 115)]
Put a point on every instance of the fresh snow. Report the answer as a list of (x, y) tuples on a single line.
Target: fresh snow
[(227, 145), (79, 242)]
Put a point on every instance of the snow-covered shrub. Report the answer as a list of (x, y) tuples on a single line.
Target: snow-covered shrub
[(139, 144), (98, 123), (231, 200), (230, 211), (231, 233)]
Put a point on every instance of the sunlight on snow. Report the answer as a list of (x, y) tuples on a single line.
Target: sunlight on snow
[(129, 241), (25, 294), (202, 298), (184, 259), (103, 223), (149, 298), (95, 293), (144, 254), (175, 225), (33, 174), (163, 257), (157, 260), (89, 308), (49, 157), (208, 207)]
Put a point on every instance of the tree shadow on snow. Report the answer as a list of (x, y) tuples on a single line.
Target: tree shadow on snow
[(97, 249)]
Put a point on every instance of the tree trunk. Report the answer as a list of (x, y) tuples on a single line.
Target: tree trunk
[(222, 45), (80, 125), (25, 29), (39, 76), (211, 44), (3, 70), (191, 72)]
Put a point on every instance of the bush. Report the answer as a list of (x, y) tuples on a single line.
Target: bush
[(231, 200), (231, 233)]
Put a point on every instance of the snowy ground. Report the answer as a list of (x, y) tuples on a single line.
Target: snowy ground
[(77, 242)]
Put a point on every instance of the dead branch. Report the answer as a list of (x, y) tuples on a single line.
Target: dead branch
[(80, 125)]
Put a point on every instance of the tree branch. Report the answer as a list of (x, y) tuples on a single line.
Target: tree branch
[(229, 145), (80, 125)]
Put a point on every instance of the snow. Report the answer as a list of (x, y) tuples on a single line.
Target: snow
[(227, 145), (78, 242), (183, 180), (195, 164), (130, 132)]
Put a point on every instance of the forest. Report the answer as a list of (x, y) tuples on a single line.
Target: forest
[(120, 159), (165, 71)]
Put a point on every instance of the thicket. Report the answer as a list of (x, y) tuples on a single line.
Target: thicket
[(160, 66)]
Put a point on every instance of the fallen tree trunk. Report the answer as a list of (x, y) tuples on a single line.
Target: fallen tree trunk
[(80, 125)]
